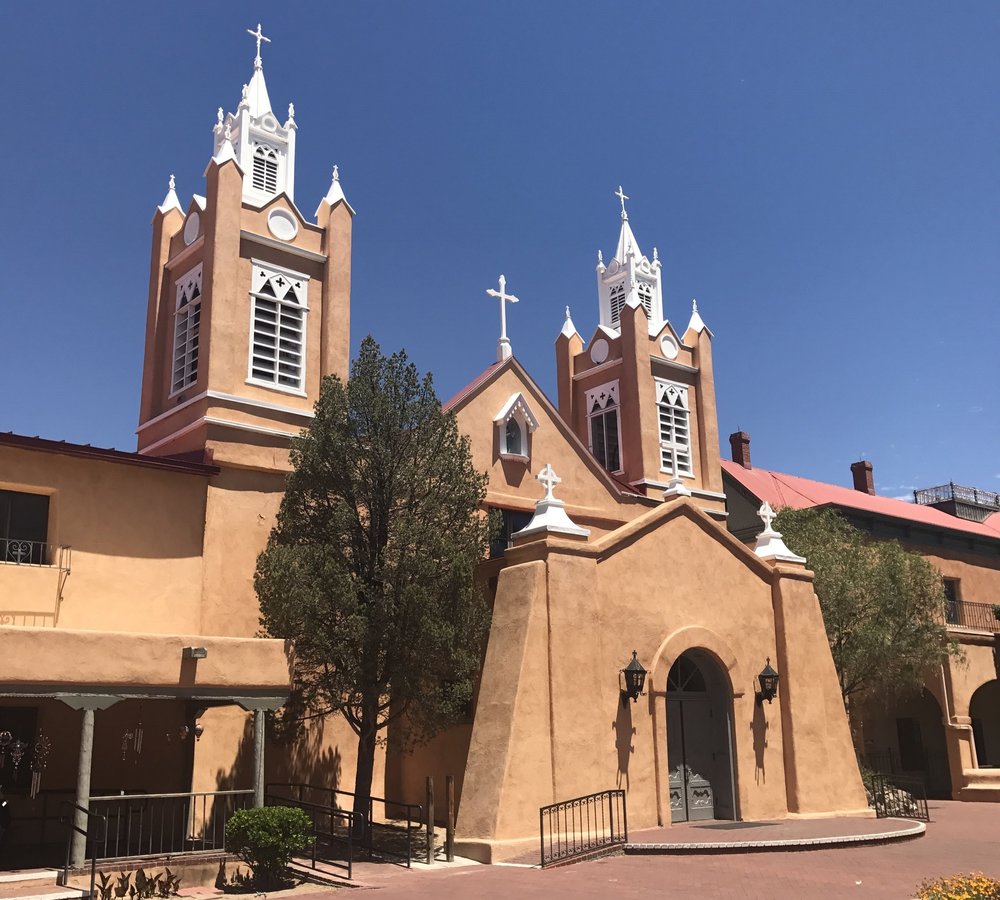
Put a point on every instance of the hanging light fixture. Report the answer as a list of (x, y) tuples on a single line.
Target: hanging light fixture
[(635, 677), (768, 681)]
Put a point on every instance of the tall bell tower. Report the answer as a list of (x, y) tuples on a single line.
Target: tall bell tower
[(249, 302), (641, 394)]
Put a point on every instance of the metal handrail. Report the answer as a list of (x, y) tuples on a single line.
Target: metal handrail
[(73, 809), (413, 811), (583, 826), (25, 553), (965, 614), (352, 819)]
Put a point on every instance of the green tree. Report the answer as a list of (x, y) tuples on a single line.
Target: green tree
[(883, 605), (369, 567)]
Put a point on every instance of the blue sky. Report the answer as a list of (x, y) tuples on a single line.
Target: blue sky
[(822, 177)]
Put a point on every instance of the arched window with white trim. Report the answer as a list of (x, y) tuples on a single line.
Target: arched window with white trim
[(605, 425), (187, 331), (617, 297), (278, 311), (675, 428), (515, 422), (265, 168)]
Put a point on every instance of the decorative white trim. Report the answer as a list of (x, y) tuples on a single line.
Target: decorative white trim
[(514, 405), (671, 364), (180, 432), (268, 386), (672, 402), (213, 420), (187, 284), (289, 294), (265, 241), (228, 398), (515, 408)]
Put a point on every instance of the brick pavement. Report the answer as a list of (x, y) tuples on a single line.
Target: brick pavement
[(962, 837)]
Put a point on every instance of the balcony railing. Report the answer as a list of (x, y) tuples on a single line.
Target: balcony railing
[(961, 493), (972, 615), (25, 553)]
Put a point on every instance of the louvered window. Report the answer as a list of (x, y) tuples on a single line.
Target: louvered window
[(675, 428), (602, 411), (278, 328), (646, 297), (265, 168), (617, 303), (187, 325)]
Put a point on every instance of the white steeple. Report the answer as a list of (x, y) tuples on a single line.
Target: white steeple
[(697, 323), (568, 329), (171, 202), (629, 279), (336, 193), (263, 148)]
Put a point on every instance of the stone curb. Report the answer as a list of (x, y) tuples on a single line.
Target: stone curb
[(820, 843)]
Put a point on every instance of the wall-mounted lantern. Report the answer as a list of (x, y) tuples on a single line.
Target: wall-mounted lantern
[(768, 680), (635, 677)]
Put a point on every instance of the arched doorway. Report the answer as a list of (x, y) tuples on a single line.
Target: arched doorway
[(984, 709), (699, 739)]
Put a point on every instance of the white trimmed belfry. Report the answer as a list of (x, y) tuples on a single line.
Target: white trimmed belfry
[(262, 147), (550, 514), (629, 279), (515, 423)]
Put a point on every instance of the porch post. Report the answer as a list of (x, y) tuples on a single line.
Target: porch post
[(258, 758), (78, 852)]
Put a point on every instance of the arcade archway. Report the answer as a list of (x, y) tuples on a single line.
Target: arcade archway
[(984, 709)]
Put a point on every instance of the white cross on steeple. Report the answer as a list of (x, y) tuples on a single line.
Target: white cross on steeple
[(260, 37), (503, 345), (767, 515), (549, 480), (621, 195)]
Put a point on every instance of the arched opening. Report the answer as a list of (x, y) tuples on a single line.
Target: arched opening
[(984, 710), (699, 739)]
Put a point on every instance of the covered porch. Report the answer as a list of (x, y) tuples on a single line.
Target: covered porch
[(101, 733)]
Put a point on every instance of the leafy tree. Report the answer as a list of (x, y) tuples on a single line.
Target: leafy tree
[(883, 605), (369, 567)]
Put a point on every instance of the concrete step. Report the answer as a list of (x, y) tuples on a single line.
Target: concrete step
[(49, 875), (39, 891)]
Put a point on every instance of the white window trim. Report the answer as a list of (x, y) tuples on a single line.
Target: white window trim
[(196, 273), (663, 387), (610, 388), (272, 385), (516, 408)]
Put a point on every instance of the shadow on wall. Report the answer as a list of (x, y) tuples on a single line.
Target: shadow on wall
[(624, 732), (758, 728), (290, 755)]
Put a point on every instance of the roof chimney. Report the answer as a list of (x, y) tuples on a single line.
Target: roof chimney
[(863, 480), (739, 441)]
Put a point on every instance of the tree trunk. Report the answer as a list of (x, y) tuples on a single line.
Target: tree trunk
[(365, 769)]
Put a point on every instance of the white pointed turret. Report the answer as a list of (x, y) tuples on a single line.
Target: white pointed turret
[(629, 280), (335, 194), (568, 329), (262, 147), (697, 323), (170, 201)]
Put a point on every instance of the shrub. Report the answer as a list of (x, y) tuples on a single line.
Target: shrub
[(974, 886), (266, 839)]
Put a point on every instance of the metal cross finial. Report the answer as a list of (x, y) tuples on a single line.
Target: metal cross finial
[(767, 515), (503, 345), (549, 480), (260, 37), (621, 195)]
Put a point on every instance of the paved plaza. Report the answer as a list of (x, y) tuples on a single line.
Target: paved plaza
[(962, 837)]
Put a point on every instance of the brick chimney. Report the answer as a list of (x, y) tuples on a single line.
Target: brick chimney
[(739, 442), (863, 479)]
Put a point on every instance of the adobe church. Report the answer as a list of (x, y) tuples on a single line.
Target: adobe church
[(142, 620)]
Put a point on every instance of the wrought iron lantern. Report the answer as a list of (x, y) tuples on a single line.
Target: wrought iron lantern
[(635, 677), (768, 680)]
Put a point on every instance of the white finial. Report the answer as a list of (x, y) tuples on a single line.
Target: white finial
[(621, 195), (229, 131), (503, 345), (568, 329), (291, 110), (766, 514), (568, 319), (600, 258), (170, 201), (656, 254), (336, 173), (246, 90), (694, 305), (219, 115), (260, 37), (549, 480), (171, 184)]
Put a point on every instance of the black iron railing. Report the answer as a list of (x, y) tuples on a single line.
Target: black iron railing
[(959, 492), (582, 827), (332, 828), (24, 553), (387, 837), (69, 811), (157, 824), (972, 615), (901, 797)]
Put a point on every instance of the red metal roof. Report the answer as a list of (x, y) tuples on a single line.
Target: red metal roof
[(790, 490), (107, 454), (471, 386)]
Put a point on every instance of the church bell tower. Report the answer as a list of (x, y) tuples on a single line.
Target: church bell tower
[(249, 303), (641, 394)]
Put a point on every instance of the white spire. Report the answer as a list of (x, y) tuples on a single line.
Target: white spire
[(170, 201), (568, 329), (626, 240), (226, 150), (256, 93), (696, 322), (336, 193)]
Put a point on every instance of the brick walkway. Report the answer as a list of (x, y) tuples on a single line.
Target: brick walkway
[(961, 837)]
